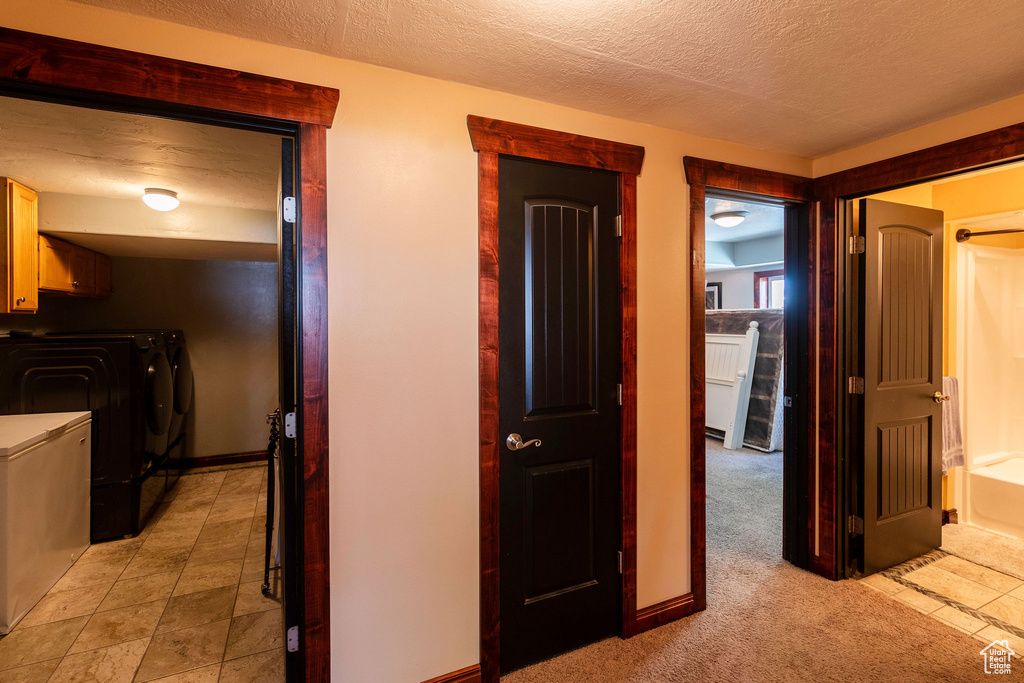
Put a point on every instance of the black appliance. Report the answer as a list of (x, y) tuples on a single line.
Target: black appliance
[(181, 376), (126, 381)]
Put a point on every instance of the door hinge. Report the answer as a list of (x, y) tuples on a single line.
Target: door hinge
[(288, 209), (855, 385), (787, 401), (293, 639), (620, 394), (855, 525), (620, 561), (289, 425), (858, 245), (618, 225)]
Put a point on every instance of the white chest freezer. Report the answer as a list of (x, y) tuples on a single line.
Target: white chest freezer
[(45, 469)]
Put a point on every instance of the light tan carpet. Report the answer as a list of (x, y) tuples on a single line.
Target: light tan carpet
[(767, 620), (985, 548)]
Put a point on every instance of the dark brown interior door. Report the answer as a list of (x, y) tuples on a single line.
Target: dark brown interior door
[(559, 367), (902, 361)]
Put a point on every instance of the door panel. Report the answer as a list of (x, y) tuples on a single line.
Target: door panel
[(902, 356), (559, 369)]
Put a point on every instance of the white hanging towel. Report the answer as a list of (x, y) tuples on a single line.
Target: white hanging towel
[(952, 434)]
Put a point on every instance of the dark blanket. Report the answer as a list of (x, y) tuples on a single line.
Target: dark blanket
[(762, 432)]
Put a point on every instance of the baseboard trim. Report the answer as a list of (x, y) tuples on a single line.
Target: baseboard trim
[(223, 459), (664, 612), (950, 516), (471, 674)]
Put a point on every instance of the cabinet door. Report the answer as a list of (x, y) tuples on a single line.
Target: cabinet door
[(54, 265), (83, 271), (104, 275), (23, 255)]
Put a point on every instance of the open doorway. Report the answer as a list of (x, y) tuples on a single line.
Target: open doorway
[(744, 370), (172, 334), (970, 576)]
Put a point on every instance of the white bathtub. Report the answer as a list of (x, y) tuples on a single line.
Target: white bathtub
[(995, 495)]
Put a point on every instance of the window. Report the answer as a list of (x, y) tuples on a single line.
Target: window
[(769, 288)]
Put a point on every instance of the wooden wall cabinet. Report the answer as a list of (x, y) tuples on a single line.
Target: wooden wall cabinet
[(19, 258), (70, 269)]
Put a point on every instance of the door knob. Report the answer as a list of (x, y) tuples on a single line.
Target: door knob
[(21, 300), (514, 442), (939, 397)]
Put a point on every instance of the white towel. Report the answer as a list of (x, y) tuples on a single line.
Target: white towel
[(952, 435)]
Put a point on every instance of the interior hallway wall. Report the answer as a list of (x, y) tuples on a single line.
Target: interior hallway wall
[(228, 311), (402, 205)]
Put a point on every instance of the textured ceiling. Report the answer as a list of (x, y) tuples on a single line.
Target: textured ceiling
[(762, 220), (71, 150), (808, 77)]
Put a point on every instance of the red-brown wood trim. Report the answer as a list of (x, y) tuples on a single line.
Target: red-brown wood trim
[(33, 59), (995, 146), (65, 67), (824, 562), (502, 137), (471, 674), (216, 460), (665, 612), (491, 138), (763, 275), (312, 147), (490, 558), (698, 496), (703, 174), (627, 428), (722, 176)]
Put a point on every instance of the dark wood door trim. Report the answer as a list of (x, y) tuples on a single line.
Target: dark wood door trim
[(470, 674), (703, 175), (93, 75), (69, 65), (991, 148), (977, 151), (529, 142), (491, 138)]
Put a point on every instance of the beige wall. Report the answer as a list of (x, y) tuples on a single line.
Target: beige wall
[(403, 327), (228, 311)]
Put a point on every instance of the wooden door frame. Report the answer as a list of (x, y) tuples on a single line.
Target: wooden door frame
[(705, 175), (43, 67), (490, 139), (827, 195), (831, 193)]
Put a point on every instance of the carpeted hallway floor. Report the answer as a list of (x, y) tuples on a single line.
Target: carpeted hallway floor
[(767, 620)]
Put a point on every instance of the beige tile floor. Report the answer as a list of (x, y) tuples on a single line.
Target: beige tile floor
[(181, 603), (992, 593)]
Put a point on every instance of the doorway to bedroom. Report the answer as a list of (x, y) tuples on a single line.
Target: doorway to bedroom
[(745, 294)]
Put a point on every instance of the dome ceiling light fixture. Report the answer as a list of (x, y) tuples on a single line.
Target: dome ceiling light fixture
[(729, 219), (160, 199)]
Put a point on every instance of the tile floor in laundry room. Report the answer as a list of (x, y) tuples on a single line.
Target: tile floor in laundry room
[(181, 603)]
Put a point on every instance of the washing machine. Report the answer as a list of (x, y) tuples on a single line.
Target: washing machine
[(181, 379), (125, 380)]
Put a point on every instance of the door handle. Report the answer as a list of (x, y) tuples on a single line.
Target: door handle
[(939, 397), (514, 442)]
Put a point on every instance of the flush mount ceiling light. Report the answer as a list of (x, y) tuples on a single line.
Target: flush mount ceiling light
[(729, 219), (160, 199)]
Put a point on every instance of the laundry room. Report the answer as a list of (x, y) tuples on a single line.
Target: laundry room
[(141, 316)]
